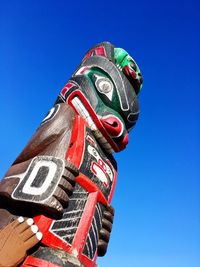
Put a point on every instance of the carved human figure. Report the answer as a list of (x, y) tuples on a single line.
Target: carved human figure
[(66, 175)]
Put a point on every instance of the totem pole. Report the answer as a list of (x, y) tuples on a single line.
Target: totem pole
[(65, 177)]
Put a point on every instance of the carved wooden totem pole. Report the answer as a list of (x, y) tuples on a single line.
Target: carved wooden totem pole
[(65, 177)]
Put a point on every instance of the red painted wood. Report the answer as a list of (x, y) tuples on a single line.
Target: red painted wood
[(84, 224), (35, 262), (86, 183), (76, 148)]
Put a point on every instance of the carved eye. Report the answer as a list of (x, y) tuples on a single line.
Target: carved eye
[(104, 85)]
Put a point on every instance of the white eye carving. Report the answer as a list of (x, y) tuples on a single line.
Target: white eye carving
[(104, 86)]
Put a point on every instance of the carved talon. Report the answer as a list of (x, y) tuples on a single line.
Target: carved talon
[(66, 184), (72, 168), (104, 233), (102, 248), (61, 196), (107, 224), (70, 173), (16, 239)]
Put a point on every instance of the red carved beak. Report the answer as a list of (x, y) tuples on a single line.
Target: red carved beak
[(114, 128), (113, 125)]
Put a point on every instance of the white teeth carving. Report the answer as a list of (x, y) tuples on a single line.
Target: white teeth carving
[(84, 113)]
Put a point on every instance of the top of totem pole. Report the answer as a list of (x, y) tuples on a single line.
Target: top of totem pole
[(104, 90)]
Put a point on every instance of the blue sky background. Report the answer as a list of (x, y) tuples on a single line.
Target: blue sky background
[(157, 199)]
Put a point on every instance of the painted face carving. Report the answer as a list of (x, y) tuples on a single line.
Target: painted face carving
[(129, 68), (101, 91)]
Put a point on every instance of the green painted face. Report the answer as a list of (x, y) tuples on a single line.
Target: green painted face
[(107, 104), (129, 68), (103, 91)]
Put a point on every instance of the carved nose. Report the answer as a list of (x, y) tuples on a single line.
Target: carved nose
[(112, 125), (114, 128), (124, 142)]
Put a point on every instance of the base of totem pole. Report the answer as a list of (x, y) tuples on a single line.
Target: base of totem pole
[(49, 257)]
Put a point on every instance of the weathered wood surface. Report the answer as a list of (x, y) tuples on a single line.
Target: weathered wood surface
[(65, 176)]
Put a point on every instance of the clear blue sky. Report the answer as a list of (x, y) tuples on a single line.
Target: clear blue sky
[(157, 199)]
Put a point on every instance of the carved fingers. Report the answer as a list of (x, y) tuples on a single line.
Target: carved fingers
[(66, 185), (46, 185), (59, 199), (16, 239), (104, 233)]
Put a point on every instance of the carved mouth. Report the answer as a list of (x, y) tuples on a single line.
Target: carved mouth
[(80, 108), (83, 112)]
